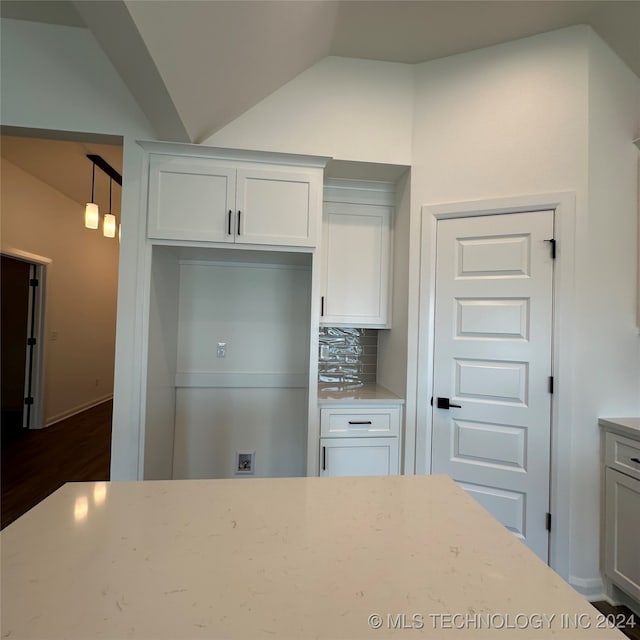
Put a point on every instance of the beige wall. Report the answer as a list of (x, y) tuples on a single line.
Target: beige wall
[(81, 288)]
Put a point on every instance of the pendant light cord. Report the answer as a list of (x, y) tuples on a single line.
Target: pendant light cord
[(93, 180)]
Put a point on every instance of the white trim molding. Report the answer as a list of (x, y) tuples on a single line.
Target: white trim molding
[(564, 205)]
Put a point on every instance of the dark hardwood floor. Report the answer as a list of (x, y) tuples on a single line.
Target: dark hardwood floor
[(622, 618), (37, 462)]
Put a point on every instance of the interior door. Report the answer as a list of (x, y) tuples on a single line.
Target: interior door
[(13, 344), (492, 365)]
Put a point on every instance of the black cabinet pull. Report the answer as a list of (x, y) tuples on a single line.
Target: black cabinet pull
[(359, 421), (636, 460), (321, 306), (239, 214), (229, 223), (324, 458)]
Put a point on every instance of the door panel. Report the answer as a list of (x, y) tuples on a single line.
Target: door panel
[(275, 208), (191, 201), (13, 344), (494, 277)]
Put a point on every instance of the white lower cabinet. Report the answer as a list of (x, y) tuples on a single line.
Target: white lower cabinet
[(622, 531), (359, 441), (622, 512), (358, 456)]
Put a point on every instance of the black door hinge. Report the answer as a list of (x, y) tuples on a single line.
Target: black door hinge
[(28, 400), (550, 384), (31, 342), (33, 282), (548, 522), (552, 241)]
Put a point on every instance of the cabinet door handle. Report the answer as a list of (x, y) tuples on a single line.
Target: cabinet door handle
[(229, 223), (321, 306), (239, 214), (636, 460), (359, 421), (324, 458)]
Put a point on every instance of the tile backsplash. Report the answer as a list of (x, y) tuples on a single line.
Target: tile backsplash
[(347, 355)]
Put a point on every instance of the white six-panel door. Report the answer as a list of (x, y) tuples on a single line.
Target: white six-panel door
[(492, 357)]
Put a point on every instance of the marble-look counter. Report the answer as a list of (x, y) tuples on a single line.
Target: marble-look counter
[(629, 427), (334, 393), (296, 558)]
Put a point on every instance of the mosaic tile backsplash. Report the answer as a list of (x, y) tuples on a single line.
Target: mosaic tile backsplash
[(348, 356)]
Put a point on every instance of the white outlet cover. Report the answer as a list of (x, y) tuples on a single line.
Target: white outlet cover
[(245, 463)]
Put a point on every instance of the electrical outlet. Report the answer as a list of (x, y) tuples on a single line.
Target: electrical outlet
[(245, 462), (221, 351)]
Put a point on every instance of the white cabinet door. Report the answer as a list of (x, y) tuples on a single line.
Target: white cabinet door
[(275, 207), (356, 265), (358, 456), (191, 199), (622, 531)]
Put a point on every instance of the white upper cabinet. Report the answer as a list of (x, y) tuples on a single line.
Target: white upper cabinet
[(191, 199), (212, 199), (356, 270)]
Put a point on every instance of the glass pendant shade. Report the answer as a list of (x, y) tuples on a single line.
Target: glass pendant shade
[(91, 215), (109, 226), (119, 232)]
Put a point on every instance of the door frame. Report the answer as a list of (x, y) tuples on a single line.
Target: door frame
[(37, 368), (563, 204)]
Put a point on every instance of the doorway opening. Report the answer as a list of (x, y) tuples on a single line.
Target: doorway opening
[(22, 311), (61, 371)]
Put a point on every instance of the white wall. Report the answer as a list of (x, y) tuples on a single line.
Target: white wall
[(254, 398), (81, 289), (531, 117), (57, 78), (534, 116), (341, 107), (607, 340)]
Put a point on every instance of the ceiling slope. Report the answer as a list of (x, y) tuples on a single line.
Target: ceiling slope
[(218, 59), (112, 26), (195, 65)]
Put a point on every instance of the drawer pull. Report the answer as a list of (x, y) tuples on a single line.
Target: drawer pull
[(359, 421), (636, 460)]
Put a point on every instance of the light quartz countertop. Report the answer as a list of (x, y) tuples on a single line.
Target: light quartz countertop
[(331, 394), (629, 427), (294, 558)]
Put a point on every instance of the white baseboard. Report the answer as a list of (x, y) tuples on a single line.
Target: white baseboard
[(617, 597), (592, 589), (79, 409)]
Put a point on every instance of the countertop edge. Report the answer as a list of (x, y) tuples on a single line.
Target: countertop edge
[(629, 427)]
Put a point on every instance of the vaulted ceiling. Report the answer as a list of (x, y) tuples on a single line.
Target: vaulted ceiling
[(193, 66)]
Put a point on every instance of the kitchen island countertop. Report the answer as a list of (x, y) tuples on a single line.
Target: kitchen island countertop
[(339, 558)]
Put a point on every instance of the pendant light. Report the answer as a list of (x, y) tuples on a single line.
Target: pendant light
[(91, 213), (109, 222)]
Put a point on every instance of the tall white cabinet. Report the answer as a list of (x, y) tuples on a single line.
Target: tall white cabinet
[(357, 245), (231, 319)]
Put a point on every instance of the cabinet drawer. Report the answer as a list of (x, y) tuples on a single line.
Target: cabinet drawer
[(359, 422), (623, 454)]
